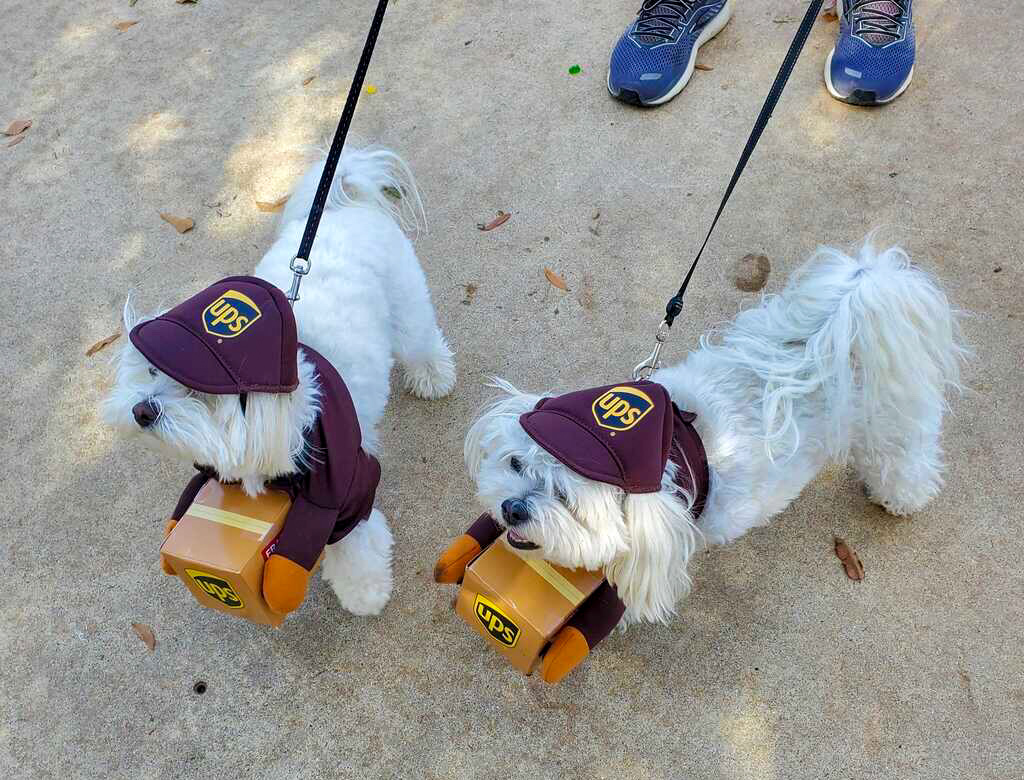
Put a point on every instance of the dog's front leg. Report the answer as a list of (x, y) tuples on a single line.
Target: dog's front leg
[(358, 567)]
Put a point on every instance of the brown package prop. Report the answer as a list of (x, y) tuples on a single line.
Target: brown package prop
[(220, 546), (518, 604)]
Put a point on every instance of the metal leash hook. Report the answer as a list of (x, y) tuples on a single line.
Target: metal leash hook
[(652, 363), (300, 268)]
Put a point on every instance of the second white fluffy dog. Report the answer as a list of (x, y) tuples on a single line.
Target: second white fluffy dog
[(364, 303), (850, 363)]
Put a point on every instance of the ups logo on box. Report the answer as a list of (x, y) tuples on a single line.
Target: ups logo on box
[(230, 315), (620, 408), (497, 623), (217, 587)]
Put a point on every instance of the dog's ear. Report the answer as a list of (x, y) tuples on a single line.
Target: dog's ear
[(128, 315), (488, 428), (651, 576)]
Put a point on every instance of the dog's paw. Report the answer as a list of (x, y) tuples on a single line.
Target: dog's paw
[(432, 379), (900, 503), (369, 599)]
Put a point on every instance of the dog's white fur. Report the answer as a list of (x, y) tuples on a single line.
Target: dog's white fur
[(850, 363), (364, 303)]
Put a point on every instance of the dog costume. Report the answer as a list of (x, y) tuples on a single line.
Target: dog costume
[(239, 336), (622, 435)]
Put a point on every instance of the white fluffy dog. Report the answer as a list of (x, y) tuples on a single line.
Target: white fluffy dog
[(364, 303), (850, 363)]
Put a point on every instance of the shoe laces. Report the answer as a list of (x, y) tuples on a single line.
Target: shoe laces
[(663, 18), (878, 22)]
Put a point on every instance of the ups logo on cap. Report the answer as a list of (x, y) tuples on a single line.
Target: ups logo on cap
[(495, 622), (217, 587), (230, 315), (620, 408)]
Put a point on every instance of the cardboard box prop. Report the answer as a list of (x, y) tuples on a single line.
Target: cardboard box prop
[(220, 546), (518, 604)]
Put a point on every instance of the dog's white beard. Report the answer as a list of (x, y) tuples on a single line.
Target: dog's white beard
[(265, 441)]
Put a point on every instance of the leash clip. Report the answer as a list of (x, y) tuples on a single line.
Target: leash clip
[(653, 363), (300, 267)]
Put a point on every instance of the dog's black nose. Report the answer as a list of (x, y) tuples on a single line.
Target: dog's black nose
[(514, 511), (145, 413)]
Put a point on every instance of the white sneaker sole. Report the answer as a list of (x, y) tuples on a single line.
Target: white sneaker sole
[(706, 35)]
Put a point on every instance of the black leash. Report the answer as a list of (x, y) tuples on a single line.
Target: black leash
[(300, 265), (675, 304)]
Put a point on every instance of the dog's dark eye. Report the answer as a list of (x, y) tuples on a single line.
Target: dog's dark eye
[(516, 466), (153, 371)]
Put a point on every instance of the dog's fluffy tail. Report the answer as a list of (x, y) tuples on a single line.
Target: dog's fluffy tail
[(872, 338), (372, 177)]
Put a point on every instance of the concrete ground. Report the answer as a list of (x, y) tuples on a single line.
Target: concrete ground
[(777, 666)]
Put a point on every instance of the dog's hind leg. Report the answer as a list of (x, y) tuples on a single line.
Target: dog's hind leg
[(418, 342), (358, 567), (903, 471), (904, 354)]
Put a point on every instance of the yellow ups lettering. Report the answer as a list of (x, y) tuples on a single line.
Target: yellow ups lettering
[(496, 623), (230, 314), (620, 408), (216, 587), (226, 314)]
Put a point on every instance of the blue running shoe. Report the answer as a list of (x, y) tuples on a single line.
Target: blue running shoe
[(654, 58), (873, 60)]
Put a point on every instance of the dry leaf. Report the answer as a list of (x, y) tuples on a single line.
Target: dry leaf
[(181, 224), (186, 2), (470, 293), (698, 66), (16, 140), (145, 634), (854, 568), (101, 344), (18, 126), (275, 205), (122, 26), (498, 221), (556, 280), (750, 273), (308, 81)]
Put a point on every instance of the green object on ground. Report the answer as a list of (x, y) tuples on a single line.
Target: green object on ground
[(574, 69)]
